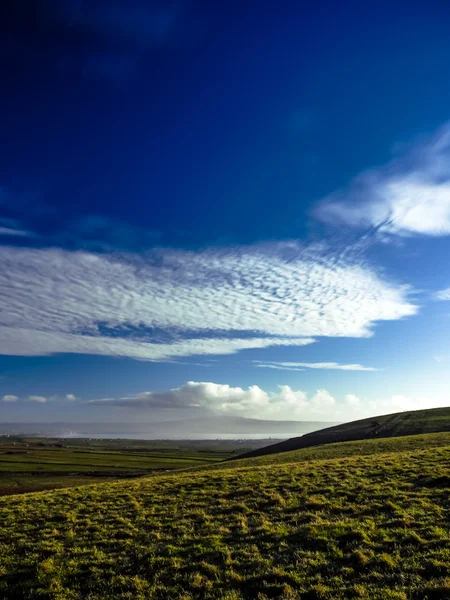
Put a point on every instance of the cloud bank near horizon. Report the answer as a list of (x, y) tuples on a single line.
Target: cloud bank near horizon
[(208, 398), (172, 303)]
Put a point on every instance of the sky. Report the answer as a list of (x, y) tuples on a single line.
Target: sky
[(223, 209)]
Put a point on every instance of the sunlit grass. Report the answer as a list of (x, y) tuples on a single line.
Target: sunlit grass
[(312, 527)]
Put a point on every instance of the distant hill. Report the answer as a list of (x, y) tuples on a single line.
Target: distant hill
[(167, 429), (433, 420), (235, 425)]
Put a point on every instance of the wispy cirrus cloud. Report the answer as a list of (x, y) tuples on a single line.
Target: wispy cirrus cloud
[(301, 366), (26, 342), (12, 228), (443, 295), (9, 232), (172, 303), (408, 196), (278, 367)]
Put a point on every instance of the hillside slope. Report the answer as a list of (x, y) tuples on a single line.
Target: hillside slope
[(433, 420), (313, 527)]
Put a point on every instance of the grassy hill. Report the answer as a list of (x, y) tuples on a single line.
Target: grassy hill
[(363, 519), (397, 424)]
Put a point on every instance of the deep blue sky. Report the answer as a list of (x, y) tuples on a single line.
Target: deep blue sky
[(217, 154)]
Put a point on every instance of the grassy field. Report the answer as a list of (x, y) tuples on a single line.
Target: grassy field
[(32, 464), (405, 423), (355, 520)]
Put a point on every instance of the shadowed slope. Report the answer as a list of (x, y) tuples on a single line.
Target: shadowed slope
[(433, 420)]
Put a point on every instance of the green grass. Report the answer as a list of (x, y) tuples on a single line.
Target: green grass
[(344, 450), (397, 424), (321, 523), (32, 464), (14, 483)]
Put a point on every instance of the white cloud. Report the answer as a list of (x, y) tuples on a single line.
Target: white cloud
[(12, 227), (10, 398), (442, 295), (410, 195), (322, 400), (254, 402), (352, 400), (301, 366), (225, 400), (277, 367), (168, 304), (399, 403), (22, 342), (8, 231), (71, 397), (40, 399)]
